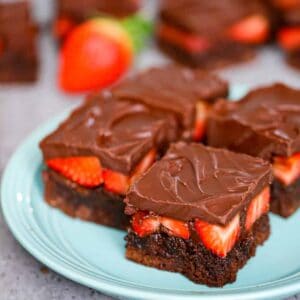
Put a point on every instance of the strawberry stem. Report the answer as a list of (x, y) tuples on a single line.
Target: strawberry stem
[(139, 29)]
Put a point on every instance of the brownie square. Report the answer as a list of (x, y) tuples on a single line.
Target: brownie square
[(191, 185), (182, 91), (198, 32), (265, 123), (119, 134), (18, 54)]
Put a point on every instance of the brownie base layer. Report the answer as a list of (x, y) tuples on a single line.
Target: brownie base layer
[(217, 58), (285, 199), (192, 259), (95, 205)]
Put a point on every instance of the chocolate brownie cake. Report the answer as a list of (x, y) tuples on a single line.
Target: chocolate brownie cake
[(18, 56), (265, 123), (98, 151), (185, 92), (212, 33), (70, 12), (199, 211), (288, 36)]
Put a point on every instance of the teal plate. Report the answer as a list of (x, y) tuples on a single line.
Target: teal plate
[(94, 255)]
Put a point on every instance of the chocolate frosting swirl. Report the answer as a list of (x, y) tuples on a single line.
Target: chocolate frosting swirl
[(194, 181), (120, 133)]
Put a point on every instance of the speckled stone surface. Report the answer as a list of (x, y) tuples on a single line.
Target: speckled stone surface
[(23, 108)]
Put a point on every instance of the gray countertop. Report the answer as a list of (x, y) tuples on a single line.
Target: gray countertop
[(23, 108)]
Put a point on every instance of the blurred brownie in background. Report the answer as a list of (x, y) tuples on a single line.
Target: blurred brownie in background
[(70, 12), (212, 33), (265, 123), (289, 33), (18, 53)]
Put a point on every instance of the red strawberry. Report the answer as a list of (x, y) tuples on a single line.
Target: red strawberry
[(144, 165), (258, 207), (287, 170), (115, 182), (201, 115), (289, 38), (85, 171), (251, 30), (97, 52), (220, 240), (187, 41), (144, 224), (175, 227), (62, 27)]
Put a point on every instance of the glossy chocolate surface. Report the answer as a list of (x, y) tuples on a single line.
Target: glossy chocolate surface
[(264, 123), (119, 133), (195, 181), (173, 88)]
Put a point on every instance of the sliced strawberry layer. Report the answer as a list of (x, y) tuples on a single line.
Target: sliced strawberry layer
[(2, 45), (289, 38), (251, 30), (86, 171), (175, 227), (287, 4), (287, 170), (188, 41), (115, 182), (200, 123), (144, 224), (62, 27), (259, 206), (220, 240), (119, 183)]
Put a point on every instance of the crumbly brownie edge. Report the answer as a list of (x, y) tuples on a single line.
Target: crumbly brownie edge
[(94, 205), (285, 200), (192, 259)]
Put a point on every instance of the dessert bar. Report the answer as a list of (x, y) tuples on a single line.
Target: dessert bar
[(182, 91), (199, 211), (98, 151), (18, 54), (265, 123), (213, 33), (70, 12)]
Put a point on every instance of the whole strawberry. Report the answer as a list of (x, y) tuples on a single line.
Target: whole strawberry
[(97, 52)]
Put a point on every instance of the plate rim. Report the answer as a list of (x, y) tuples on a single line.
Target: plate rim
[(283, 289)]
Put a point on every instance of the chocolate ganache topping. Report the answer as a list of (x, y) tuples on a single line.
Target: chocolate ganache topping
[(209, 18), (173, 88), (119, 133), (264, 123), (195, 181)]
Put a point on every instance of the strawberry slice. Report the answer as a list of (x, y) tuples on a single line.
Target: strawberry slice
[(62, 27), (144, 224), (258, 207), (287, 170), (115, 182), (251, 30), (289, 38), (220, 240), (200, 123), (175, 227), (86, 171), (189, 42), (144, 165)]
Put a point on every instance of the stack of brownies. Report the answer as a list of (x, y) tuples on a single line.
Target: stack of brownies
[(131, 157)]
